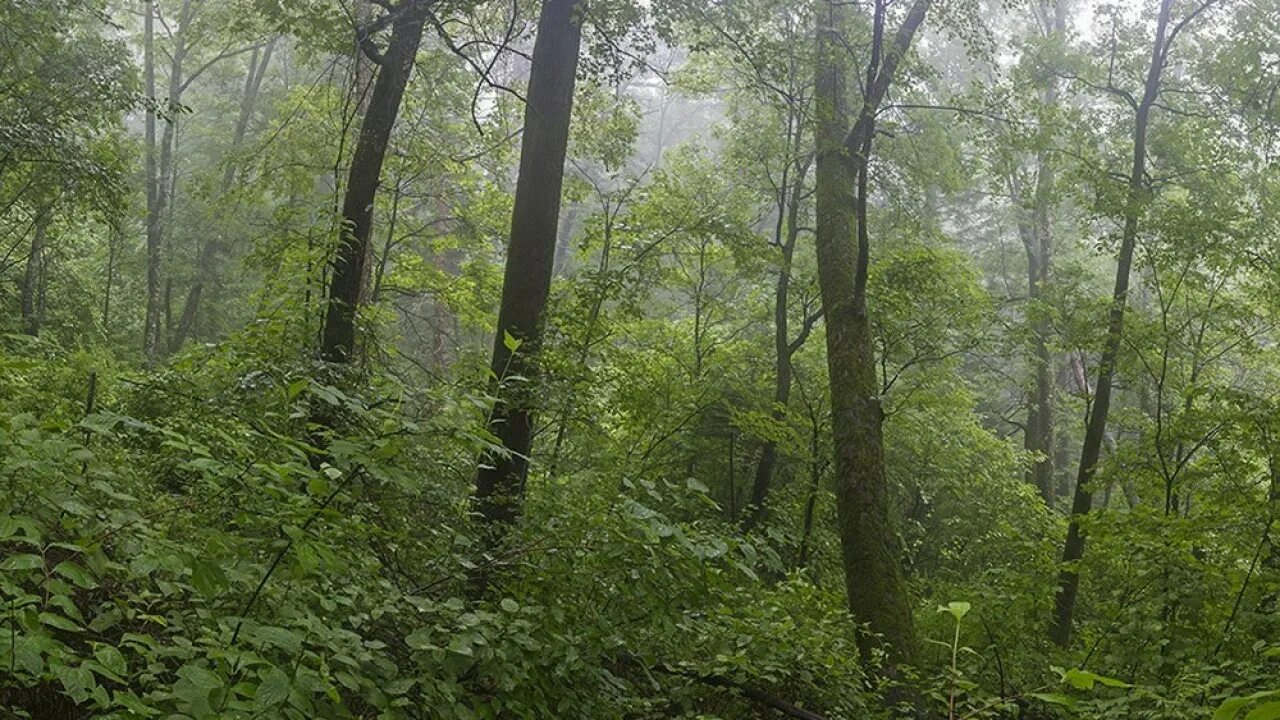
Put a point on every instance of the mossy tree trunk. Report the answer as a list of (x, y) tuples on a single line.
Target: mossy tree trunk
[(871, 552)]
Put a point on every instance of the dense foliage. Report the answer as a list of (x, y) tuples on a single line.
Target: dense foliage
[(230, 520)]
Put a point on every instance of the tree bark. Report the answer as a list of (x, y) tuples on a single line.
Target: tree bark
[(31, 280), (871, 553), (1039, 247), (346, 286), (1037, 239), (1095, 428), (114, 238), (816, 468), (526, 284), (168, 183), (151, 324)]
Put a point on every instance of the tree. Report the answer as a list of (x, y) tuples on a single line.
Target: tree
[(206, 264), (1035, 229), (874, 582), (764, 46), (1138, 195), (187, 33), (530, 262), (151, 324), (34, 277), (355, 238)]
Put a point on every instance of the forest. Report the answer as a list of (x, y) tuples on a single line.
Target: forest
[(639, 359)]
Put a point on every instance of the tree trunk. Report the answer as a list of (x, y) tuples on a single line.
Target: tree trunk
[(206, 264), (876, 587), (816, 468), (531, 252), (783, 348), (346, 286), (588, 339), (388, 245), (151, 324), (1037, 239), (31, 280), (168, 182), (1095, 428), (114, 239)]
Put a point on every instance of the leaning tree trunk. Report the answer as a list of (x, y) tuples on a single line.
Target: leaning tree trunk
[(1095, 428), (874, 581), (531, 253), (346, 287)]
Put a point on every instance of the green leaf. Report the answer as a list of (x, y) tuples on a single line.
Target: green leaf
[(76, 682), (1085, 680), (111, 659), (26, 561), (420, 639), (510, 605), (283, 638), (401, 686), (273, 690), (1232, 706), (318, 487), (1265, 711), (957, 609), (200, 677), (76, 574), (134, 704), (1054, 699), (207, 578), (510, 341), (57, 621)]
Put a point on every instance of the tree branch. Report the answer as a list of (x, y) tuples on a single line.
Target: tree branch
[(225, 54)]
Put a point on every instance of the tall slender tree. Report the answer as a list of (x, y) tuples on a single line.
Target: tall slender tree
[(1139, 191), (877, 590), (151, 324), (1035, 229), (786, 235), (531, 251)]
